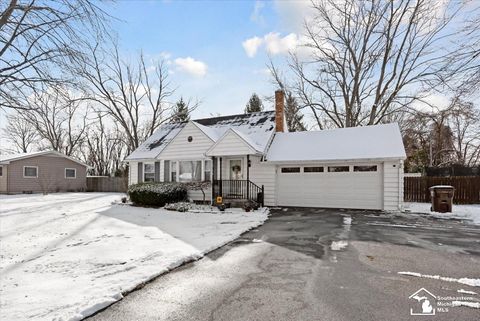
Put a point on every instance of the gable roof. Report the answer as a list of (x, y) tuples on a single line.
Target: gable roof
[(6, 159), (355, 143), (257, 128), (252, 147)]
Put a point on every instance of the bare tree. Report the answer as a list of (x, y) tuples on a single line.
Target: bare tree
[(464, 63), (20, 133), (443, 136), (368, 59), (133, 95), (464, 122), (293, 114), (104, 147), (39, 39), (58, 119)]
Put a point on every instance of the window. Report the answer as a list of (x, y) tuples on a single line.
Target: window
[(1, 171), (149, 172), (313, 169), (70, 173), (336, 169), (208, 170), (372, 168), (30, 171), (173, 171), (290, 169), (190, 171)]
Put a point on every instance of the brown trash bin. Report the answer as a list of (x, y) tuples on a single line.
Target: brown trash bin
[(442, 198)]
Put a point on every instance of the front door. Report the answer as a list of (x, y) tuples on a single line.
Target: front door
[(236, 169)]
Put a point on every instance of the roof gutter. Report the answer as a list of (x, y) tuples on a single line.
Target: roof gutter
[(352, 160)]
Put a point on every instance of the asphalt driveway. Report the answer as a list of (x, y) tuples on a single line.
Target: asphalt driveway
[(315, 264)]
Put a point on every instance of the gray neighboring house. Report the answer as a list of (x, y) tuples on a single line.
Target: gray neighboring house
[(39, 172)]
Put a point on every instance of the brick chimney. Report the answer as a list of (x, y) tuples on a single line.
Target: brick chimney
[(279, 110)]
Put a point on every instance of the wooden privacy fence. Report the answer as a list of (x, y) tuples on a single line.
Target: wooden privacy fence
[(107, 184), (467, 188)]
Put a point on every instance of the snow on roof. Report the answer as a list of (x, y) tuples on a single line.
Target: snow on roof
[(369, 142), (157, 142), (13, 157), (248, 140), (213, 133), (255, 128)]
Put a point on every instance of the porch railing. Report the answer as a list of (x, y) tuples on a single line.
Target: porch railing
[(239, 190)]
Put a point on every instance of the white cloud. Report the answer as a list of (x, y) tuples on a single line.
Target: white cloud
[(293, 13), (251, 46), (194, 67), (256, 15), (277, 45), (274, 43)]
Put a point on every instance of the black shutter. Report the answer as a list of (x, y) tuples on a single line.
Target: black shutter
[(157, 171), (166, 171), (140, 172)]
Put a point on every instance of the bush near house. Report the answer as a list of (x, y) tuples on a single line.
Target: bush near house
[(157, 194)]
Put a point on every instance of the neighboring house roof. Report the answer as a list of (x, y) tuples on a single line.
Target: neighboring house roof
[(255, 128), (6, 159), (369, 142)]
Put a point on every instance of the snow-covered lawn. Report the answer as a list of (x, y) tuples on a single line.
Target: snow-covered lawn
[(65, 256), (470, 213)]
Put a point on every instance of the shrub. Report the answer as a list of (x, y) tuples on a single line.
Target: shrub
[(156, 194)]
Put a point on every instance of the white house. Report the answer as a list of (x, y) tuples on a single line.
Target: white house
[(250, 156)]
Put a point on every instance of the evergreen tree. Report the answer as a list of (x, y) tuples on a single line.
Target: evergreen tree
[(180, 112), (254, 104), (293, 115)]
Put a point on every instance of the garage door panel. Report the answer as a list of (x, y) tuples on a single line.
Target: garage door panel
[(338, 190)]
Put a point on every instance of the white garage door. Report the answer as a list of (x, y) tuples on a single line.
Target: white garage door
[(335, 186)]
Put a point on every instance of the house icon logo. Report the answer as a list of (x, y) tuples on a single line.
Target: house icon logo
[(424, 302)]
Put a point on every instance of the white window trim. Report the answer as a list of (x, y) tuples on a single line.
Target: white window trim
[(177, 166), (30, 176), (75, 171), (144, 172), (1, 174)]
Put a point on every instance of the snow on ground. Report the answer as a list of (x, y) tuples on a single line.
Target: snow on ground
[(65, 256), (467, 281), (465, 212)]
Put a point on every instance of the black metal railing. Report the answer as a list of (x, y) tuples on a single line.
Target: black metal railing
[(238, 189)]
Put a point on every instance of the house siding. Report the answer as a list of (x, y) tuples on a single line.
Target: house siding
[(264, 174), (392, 186), (51, 175), (4, 179), (181, 149), (132, 173), (230, 145)]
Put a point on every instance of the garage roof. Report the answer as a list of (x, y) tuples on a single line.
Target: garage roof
[(355, 143)]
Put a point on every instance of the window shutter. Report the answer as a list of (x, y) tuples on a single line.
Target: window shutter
[(166, 171), (157, 171), (140, 172)]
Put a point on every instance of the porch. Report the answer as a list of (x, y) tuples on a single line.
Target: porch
[(231, 180)]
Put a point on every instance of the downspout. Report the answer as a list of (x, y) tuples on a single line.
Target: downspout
[(400, 192)]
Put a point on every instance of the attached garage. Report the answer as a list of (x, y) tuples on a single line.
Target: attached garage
[(357, 168), (336, 186)]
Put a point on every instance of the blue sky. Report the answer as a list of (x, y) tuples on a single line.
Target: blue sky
[(202, 42)]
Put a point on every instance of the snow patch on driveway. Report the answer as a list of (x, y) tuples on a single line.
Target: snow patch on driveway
[(467, 281), (469, 304), (66, 256), (463, 212)]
